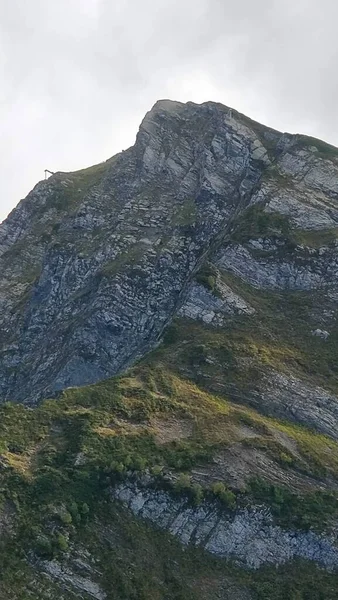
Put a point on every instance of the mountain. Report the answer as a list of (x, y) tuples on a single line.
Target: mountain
[(169, 373)]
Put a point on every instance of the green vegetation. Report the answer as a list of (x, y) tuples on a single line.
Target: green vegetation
[(316, 239), (226, 496), (256, 223), (76, 186), (207, 276), (138, 562), (127, 259), (91, 437), (277, 336), (61, 459), (291, 509), (325, 150), (68, 190), (186, 214)]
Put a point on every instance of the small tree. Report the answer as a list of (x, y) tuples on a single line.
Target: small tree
[(183, 483), (43, 547), (74, 512), (85, 509), (226, 496), (66, 517), (61, 542), (197, 493)]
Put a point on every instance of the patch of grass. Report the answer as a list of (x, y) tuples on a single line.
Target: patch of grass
[(207, 276), (311, 511), (316, 238), (319, 450), (72, 187), (185, 214), (127, 259), (325, 150), (256, 223), (279, 334)]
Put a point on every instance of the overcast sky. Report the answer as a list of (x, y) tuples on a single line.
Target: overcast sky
[(77, 76)]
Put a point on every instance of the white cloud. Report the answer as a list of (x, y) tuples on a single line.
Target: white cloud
[(77, 76)]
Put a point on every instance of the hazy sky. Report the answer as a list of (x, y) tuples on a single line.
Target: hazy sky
[(77, 76)]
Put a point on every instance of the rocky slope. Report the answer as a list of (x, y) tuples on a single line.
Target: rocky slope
[(206, 255)]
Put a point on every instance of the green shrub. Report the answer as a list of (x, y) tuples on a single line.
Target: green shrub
[(43, 547), (156, 470), (313, 510), (198, 354), (74, 512), (84, 509), (66, 517), (138, 463), (61, 543), (196, 493), (117, 467), (222, 493), (171, 335), (183, 483), (207, 276), (286, 459)]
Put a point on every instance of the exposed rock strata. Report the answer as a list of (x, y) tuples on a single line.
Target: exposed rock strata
[(249, 536), (203, 305)]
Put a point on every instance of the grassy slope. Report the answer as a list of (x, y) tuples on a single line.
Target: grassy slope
[(119, 426)]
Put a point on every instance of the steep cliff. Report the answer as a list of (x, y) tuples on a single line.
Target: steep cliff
[(200, 269)]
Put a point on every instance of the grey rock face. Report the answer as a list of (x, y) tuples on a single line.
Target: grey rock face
[(288, 397), (249, 536), (321, 333), (305, 270), (203, 305), (73, 581), (95, 264)]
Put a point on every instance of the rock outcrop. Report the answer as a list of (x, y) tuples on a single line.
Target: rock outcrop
[(249, 537)]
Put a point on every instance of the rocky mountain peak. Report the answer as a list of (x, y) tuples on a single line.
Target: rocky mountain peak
[(95, 264)]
